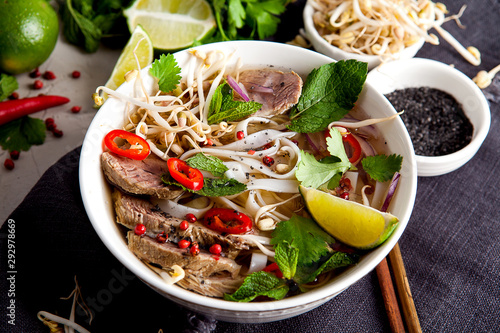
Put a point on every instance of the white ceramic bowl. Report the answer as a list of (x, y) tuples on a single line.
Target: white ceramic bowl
[(418, 72), (322, 46), (96, 192)]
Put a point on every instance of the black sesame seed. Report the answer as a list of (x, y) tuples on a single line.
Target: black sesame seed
[(434, 119)]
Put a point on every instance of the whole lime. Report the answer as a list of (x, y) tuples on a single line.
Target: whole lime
[(28, 34)]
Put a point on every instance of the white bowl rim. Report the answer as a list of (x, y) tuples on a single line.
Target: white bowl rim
[(458, 158), (376, 256)]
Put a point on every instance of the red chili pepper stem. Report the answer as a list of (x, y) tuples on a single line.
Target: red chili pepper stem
[(13, 109)]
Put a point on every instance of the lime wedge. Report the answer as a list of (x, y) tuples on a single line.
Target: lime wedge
[(172, 24), (140, 41), (350, 222)]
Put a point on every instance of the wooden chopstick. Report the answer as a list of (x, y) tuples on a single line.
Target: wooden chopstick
[(390, 300), (403, 287)]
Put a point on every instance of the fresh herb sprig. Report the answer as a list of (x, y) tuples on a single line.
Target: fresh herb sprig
[(247, 19), (223, 107), (212, 187), (301, 261), (166, 70), (86, 22), (329, 93)]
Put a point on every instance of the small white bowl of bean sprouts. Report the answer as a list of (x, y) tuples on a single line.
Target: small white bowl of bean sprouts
[(378, 31)]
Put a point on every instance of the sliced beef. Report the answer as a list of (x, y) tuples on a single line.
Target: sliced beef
[(275, 90), (203, 265), (138, 177), (213, 287), (132, 210)]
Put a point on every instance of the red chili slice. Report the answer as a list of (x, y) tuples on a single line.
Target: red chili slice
[(138, 148), (229, 221), (274, 268), (187, 176)]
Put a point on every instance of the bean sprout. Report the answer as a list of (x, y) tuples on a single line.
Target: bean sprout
[(384, 27)]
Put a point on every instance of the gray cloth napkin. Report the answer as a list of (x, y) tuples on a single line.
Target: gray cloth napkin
[(451, 247)]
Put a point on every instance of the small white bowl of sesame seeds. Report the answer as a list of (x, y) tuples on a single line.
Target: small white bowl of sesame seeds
[(446, 114)]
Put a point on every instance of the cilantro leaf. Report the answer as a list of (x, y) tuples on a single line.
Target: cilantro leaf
[(259, 284), (286, 256), (243, 19), (8, 84), (223, 107), (329, 92), (308, 237), (208, 163), (22, 133), (381, 167), (313, 173), (167, 72), (212, 187), (263, 14)]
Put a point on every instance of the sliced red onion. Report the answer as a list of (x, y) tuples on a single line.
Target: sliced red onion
[(311, 143), (317, 141), (366, 147), (233, 84), (390, 192)]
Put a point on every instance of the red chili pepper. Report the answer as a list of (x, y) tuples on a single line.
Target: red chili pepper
[(17, 108), (274, 268), (138, 149), (353, 142), (187, 176), (228, 221)]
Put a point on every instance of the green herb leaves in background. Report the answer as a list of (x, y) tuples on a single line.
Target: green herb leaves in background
[(8, 84), (86, 22), (329, 93), (21, 134), (247, 19)]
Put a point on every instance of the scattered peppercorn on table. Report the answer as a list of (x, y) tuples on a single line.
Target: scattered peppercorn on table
[(449, 247)]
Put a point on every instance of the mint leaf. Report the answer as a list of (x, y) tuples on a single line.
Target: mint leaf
[(259, 284), (8, 84), (335, 260), (208, 163), (381, 167), (308, 237), (212, 187), (22, 133), (286, 256), (167, 72), (221, 187), (329, 93), (223, 107)]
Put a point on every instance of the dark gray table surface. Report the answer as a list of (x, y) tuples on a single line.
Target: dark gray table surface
[(451, 247)]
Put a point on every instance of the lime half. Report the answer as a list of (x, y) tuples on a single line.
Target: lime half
[(350, 222), (141, 44), (172, 24)]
